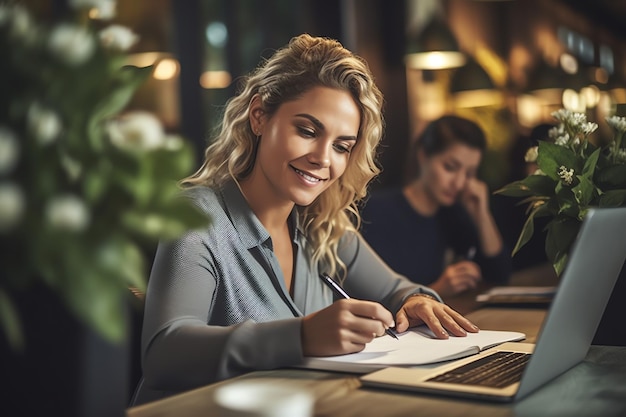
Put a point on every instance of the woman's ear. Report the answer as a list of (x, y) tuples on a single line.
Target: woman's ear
[(256, 115)]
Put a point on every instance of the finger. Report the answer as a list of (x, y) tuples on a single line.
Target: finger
[(451, 325), (363, 326), (461, 320), (402, 321), (361, 337), (372, 310), (435, 326)]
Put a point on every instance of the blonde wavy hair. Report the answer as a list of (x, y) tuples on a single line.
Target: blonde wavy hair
[(306, 62)]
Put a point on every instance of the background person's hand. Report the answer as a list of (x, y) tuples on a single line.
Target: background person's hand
[(475, 198), (441, 319), (344, 327), (457, 277)]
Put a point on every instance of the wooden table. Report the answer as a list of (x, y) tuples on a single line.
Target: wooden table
[(596, 387)]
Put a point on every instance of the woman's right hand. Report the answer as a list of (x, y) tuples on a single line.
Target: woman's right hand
[(346, 326), (456, 278)]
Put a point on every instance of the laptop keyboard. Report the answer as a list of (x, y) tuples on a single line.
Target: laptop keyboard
[(497, 370)]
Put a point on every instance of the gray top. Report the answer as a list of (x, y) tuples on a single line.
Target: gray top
[(217, 306)]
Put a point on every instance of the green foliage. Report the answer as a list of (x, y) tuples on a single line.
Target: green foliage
[(574, 175), (87, 189)]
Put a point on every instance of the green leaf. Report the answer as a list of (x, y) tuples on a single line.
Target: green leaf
[(119, 95), (129, 79), (10, 322), (173, 164), (613, 198), (611, 177), (584, 191), (562, 231), (166, 222), (123, 261), (531, 185), (96, 298), (559, 263), (590, 164), (529, 228), (95, 186), (551, 157)]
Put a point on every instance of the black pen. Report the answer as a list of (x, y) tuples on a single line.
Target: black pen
[(343, 294)]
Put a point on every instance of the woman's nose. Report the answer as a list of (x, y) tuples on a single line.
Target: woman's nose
[(460, 181), (320, 156)]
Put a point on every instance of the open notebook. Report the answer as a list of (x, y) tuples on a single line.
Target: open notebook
[(418, 346), (511, 371)]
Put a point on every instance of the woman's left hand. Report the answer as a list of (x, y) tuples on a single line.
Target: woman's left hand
[(440, 318)]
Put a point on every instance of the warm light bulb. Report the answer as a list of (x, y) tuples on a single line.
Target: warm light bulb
[(166, 69), (573, 101), (591, 94), (215, 79), (435, 60)]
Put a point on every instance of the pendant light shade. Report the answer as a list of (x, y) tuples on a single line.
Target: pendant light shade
[(435, 48), (471, 86)]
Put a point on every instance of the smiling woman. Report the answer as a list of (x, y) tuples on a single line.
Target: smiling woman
[(281, 182), (307, 142)]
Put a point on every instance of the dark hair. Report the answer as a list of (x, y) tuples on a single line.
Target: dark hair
[(442, 133)]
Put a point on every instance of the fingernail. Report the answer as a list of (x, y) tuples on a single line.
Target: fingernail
[(393, 324)]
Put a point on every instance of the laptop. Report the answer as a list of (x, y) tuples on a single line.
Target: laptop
[(595, 261)]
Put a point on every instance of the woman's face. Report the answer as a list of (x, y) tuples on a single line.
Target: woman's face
[(305, 146), (446, 174)]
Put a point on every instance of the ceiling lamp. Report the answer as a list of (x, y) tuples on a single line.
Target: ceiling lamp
[(435, 48), (471, 86)]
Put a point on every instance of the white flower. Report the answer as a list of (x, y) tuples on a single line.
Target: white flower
[(531, 154), (11, 205), (9, 150), (44, 124), (19, 20), (617, 123), (117, 38), (562, 140), (105, 9), (67, 212), (71, 43), (5, 14), (621, 156), (566, 175), (137, 131), (589, 127), (173, 143), (538, 171), (563, 115)]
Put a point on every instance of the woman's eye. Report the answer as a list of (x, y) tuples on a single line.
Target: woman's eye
[(340, 147), (308, 133)]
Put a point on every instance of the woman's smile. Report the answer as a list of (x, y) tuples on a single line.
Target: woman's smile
[(308, 178)]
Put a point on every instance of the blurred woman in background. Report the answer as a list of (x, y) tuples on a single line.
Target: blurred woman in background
[(438, 229)]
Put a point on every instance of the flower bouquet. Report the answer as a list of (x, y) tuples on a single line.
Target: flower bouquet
[(576, 171), (86, 189)]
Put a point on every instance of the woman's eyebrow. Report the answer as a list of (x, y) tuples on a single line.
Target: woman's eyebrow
[(321, 126)]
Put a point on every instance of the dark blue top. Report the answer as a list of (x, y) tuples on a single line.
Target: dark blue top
[(417, 246)]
